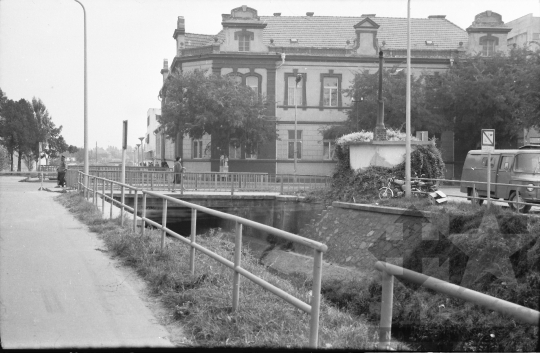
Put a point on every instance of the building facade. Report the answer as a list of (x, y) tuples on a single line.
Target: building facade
[(267, 53)]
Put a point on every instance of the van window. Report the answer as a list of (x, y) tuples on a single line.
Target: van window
[(527, 163), (506, 163), (484, 162)]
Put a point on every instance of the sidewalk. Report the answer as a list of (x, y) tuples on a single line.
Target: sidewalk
[(58, 287)]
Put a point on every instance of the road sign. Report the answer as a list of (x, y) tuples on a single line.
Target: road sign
[(488, 139)]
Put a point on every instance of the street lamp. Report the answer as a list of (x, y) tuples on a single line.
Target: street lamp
[(142, 149), (295, 148), (138, 144), (86, 163), (356, 101)]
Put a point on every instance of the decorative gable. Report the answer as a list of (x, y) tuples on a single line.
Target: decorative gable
[(243, 31), (366, 37)]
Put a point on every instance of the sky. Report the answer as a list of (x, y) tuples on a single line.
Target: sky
[(42, 49)]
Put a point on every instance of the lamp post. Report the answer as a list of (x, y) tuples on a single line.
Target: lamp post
[(138, 144), (295, 149), (86, 162), (142, 149), (408, 108), (356, 101)]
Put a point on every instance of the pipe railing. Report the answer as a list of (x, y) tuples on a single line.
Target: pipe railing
[(475, 199), (313, 308), (218, 181), (389, 271)]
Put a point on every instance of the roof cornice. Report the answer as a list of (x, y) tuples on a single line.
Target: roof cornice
[(488, 30)]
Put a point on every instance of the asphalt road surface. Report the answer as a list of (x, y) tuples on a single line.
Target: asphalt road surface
[(57, 287)]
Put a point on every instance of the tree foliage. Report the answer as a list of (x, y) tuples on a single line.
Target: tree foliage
[(196, 104), (482, 93)]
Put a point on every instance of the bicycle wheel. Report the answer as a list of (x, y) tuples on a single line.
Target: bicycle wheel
[(385, 193)]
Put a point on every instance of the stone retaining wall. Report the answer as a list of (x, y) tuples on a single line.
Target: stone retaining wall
[(359, 235)]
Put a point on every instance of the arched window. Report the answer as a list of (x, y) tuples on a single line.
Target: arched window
[(253, 83)]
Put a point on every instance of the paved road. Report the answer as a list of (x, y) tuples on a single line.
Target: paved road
[(56, 288)]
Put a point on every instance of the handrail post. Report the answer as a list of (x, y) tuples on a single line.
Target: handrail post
[(135, 204), (112, 199), (152, 181), (163, 224), (232, 184), (103, 197), (385, 326), (95, 191), (474, 193), (517, 198), (237, 263), (192, 238), (122, 205), (315, 299), (143, 215), (281, 192), (181, 183)]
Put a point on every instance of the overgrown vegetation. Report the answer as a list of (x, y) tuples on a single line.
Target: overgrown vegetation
[(503, 261), (363, 186), (202, 303)]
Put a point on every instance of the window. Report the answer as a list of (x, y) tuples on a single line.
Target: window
[(234, 150), (197, 149), (328, 149), (148, 120), (484, 162), (237, 78), (506, 163), (527, 163), (290, 151), (253, 83), (330, 92), (243, 42), (251, 153), (147, 139), (536, 36), (291, 88), (489, 44)]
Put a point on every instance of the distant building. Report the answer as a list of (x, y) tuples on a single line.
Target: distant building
[(157, 148), (268, 52)]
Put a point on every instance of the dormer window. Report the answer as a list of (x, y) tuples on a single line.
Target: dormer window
[(430, 43), (243, 38), (294, 41), (489, 45)]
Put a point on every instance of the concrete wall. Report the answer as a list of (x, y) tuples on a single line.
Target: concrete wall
[(379, 153)]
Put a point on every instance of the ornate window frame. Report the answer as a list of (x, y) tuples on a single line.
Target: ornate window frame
[(286, 77), (330, 74)]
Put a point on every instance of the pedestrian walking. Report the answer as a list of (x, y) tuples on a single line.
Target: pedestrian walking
[(178, 171), (61, 172)]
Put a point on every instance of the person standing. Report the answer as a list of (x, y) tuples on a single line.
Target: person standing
[(178, 170), (62, 172)]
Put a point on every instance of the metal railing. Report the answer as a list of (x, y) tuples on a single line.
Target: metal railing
[(476, 199), (97, 186), (389, 271), (163, 180)]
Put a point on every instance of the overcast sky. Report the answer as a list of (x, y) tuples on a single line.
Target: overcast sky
[(41, 49)]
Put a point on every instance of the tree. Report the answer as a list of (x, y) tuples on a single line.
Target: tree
[(364, 93), (196, 104), (488, 92), (17, 128)]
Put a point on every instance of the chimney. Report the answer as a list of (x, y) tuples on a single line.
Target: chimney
[(277, 14), (437, 16), (368, 15), (165, 70), (180, 35), (310, 14)]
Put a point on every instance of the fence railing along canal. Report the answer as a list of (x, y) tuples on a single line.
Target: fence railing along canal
[(104, 188), (389, 271)]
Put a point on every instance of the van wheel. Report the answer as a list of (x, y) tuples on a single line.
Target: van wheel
[(478, 202), (522, 208)]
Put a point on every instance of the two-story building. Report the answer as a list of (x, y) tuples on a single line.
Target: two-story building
[(267, 53)]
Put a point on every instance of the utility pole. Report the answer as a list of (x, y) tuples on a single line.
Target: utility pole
[(295, 149), (408, 108)]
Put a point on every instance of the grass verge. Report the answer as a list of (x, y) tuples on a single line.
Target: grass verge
[(202, 302)]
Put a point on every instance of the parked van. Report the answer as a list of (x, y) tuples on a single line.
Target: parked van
[(517, 167)]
